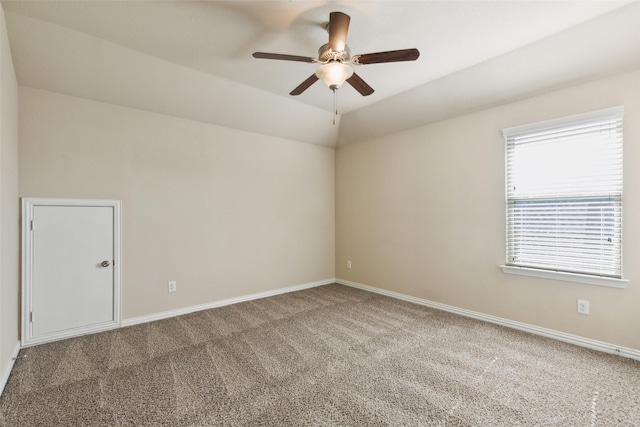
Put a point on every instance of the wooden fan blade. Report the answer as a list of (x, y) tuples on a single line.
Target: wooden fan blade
[(304, 85), (338, 29), (390, 56), (360, 85), (281, 57)]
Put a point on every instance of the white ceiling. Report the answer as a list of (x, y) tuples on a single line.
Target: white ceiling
[(193, 59)]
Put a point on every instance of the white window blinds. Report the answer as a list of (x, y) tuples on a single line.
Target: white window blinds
[(564, 194)]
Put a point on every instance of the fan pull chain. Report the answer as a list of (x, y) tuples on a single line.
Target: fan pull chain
[(335, 105)]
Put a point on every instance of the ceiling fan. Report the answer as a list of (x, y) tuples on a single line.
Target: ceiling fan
[(334, 58)]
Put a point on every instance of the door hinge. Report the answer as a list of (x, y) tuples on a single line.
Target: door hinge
[(31, 316), (31, 225)]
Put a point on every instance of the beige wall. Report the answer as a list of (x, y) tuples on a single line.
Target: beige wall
[(9, 205), (225, 213), (421, 212)]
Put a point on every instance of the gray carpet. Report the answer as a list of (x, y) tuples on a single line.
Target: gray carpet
[(331, 355)]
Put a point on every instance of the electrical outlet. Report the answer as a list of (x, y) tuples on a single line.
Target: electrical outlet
[(583, 306), (172, 286), (349, 265)]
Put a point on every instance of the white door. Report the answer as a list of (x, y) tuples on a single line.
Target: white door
[(72, 269)]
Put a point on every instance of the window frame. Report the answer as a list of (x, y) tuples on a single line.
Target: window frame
[(544, 272)]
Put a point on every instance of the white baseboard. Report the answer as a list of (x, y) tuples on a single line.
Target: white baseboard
[(549, 333), (221, 303), (172, 313), (9, 366)]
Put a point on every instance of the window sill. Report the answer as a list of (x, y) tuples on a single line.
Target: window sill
[(569, 277)]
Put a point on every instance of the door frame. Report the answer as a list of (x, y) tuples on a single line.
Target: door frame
[(28, 204)]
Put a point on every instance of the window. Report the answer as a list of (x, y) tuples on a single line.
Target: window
[(564, 196)]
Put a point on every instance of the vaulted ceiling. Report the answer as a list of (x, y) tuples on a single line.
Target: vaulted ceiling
[(193, 59)]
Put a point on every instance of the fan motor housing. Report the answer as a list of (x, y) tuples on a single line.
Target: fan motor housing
[(325, 54)]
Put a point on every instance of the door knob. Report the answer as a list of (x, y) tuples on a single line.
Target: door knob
[(105, 263)]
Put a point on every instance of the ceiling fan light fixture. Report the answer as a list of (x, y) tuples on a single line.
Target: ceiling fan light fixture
[(334, 74), (335, 57)]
